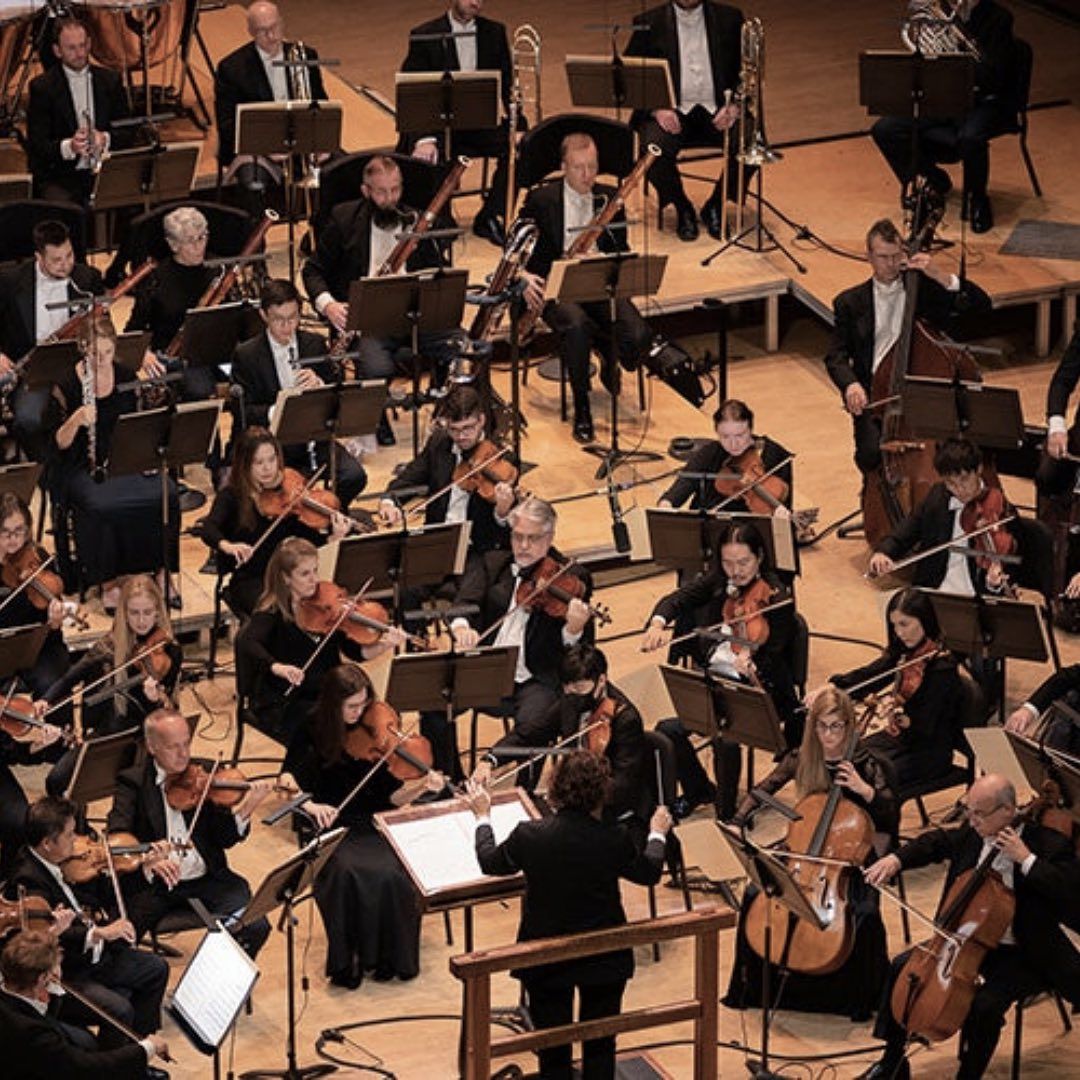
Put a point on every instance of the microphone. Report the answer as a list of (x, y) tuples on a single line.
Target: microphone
[(619, 530), (732, 589), (236, 392)]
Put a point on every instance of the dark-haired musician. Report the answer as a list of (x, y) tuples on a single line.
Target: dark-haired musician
[(561, 208), (867, 320)]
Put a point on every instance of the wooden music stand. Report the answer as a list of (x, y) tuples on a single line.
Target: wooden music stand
[(446, 101), (628, 82)]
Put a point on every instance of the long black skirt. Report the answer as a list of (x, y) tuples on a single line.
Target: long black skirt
[(370, 910)]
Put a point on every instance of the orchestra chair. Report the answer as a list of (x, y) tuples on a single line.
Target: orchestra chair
[(1024, 61), (17, 221), (1018, 1024), (16, 187)]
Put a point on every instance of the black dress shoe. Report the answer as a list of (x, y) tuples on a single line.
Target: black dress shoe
[(583, 429), (939, 180), (384, 433), (687, 227), (154, 1073), (487, 226), (710, 217), (980, 216), (887, 1070)]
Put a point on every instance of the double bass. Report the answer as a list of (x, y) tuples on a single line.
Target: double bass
[(906, 472)]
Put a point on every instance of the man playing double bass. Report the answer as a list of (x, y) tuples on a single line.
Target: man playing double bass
[(867, 321), (1039, 866)]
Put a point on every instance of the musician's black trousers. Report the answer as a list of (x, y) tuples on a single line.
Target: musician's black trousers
[(867, 430), (1055, 477), (1008, 978), (553, 1006)]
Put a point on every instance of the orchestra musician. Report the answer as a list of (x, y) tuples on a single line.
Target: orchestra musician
[(99, 955), (1030, 717), (35, 1043), (367, 901), (249, 74), (281, 644), (240, 517), (1040, 867), (868, 318), (117, 519), (924, 703), (27, 318), (572, 863), (13, 800), (741, 584), (816, 766), (480, 45), (939, 518), (69, 117), (355, 242), (272, 361), (988, 26), (560, 208), (589, 697), (1057, 473), (701, 41), (197, 867)]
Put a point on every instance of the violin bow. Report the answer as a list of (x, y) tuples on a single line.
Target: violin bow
[(398, 738), (288, 509), (717, 629), (420, 507), (753, 484), (110, 865), (107, 1016), (939, 651), (346, 609), (26, 582), (82, 691), (545, 751), (955, 544), (541, 586), (189, 830)]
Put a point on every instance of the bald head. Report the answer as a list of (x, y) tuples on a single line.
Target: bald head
[(168, 739), (265, 25), (991, 804)]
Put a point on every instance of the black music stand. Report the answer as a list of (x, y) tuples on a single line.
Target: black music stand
[(610, 278), (990, 416), (97, 764), (1041, 763), (131, 349), (994, 628), (51, 363), (446, 101), (403, 305), (452, 682), (615, 82), (284, 887), (687, 539), (19, 648), (774, 880), (21, 479), (159, 440), (274, 128), (209, 336), (146, 176)]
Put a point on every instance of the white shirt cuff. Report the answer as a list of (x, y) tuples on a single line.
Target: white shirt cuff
[(954, 283), (571, 639), (1027, 864), (654, 835), (242, 824), (1056, 424), (427, 139), (148, 1046), (484, 819), (65, 150), (459, 624), (322, 300), (1031, 709)]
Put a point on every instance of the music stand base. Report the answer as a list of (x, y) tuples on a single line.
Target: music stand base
[(299, 1073), (611, 456)]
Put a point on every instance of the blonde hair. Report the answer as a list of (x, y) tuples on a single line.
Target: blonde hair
[(123, 638), (830, 704), (286, 558)]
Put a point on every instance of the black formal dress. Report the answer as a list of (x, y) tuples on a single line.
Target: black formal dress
[(852, 989), (1041, 957), (369, 906), (583, 327), (256, 375), (127, 983), (657, 36), (52, 116), (139, 808), (850, 358), (118, 526), (572, 864)]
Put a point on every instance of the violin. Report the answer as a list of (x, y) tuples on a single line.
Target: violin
[(741, 613), (185, 790), (156, 665), (43, 585), (598, 736), (482, 469), (743, 476), (364, 621), (551, 588), (24, 913), (987, 508), (313, 507), (89, 858), (18, 719), (886, 712), (378, 729)]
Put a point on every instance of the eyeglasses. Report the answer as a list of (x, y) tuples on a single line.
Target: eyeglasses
[(463, 427), (528, 539), (830, 727), (976, 814), (12, 534)]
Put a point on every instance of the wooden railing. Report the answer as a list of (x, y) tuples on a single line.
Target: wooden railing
[(476, 968)]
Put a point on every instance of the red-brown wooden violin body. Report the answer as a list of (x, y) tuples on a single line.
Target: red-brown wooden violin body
[(987, 508), (27, 913), (89, 858), (550, 589), (314, 507), (495, 470), (744, 476), (45, 586), (185, 791), (378, 730)]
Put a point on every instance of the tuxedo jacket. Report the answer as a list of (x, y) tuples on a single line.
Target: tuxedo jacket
[(492, 54), (343, 252), (1047, 895), (254, 371), (489, 583), (544, 205), (36, 1046), (1064, 381), (18, 306), (241, 79), (51, 117), (656, 36), (851, 352), (572, 864), (711, 458), (1063, 682), (138, 808), (433, 469)]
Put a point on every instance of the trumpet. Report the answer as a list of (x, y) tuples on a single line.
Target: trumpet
[(93, 156)]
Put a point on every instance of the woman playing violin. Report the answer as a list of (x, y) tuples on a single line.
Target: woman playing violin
[(285, 662), (751, 648), (240, 517), (924, 703), (816, 765), (368, 904), (118, 526)]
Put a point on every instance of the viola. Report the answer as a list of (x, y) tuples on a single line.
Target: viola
[(741, 613), (26, 913), (482, 469), (987, 508), (331, 607), (743, 476), (89, 858), (550, 589), (378, 729), (184, 791), (45, 586), (598, 737), (314, 507)]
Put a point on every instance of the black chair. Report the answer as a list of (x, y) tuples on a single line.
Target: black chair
[(1018, 1025), (1035, 541), (1024, 62), (538, 152), (17, 221)]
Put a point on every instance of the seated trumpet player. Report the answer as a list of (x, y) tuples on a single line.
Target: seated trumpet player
[(69, 118), (561, 210)]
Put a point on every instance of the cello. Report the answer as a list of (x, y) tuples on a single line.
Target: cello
[(906, 472)]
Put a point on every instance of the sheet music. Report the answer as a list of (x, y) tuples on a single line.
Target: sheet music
[(214, 987)]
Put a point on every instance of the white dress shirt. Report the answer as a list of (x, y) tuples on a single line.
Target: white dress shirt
[(957, 579), (1006, 869), (383, 241), (578, 211), (465, 46), (81, 88), (192, 864), (91, 943), (457, 509), (695, 66), (48, 290), (279, 84), (888, 317), (284, 358)]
